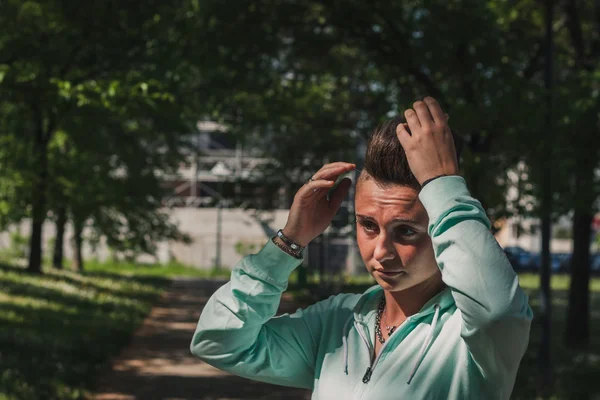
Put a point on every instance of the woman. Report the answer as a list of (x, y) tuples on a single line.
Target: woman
[(447, 318)]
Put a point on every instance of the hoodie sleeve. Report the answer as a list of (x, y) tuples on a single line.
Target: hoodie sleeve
[(495, 311), (237, 331)]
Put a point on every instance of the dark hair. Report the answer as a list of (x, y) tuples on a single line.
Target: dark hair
[(385, 159)]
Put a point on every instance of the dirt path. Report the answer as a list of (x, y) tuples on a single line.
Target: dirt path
[(158, 363)]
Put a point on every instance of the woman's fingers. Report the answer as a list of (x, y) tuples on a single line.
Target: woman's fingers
[(332, 171), (339, 194), (436, 111), (412, 120), (403, 135), (326, 167), (311, 189), (425, 118)]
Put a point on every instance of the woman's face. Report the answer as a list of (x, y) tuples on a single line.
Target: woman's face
[(391, 225)]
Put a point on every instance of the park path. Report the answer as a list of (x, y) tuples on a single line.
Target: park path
[(158, 364)]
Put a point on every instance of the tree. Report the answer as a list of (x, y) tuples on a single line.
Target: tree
[(60, 64), (376, 66), (48, 66), (579, 76)]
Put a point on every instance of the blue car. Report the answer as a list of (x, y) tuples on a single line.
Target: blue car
[(559, 262), (595, 262), (518, 257)]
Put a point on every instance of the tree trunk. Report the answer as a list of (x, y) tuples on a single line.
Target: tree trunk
[(35, 241), (61, 221), (546, 370), (545, 384), (78, 244), (38, 212), (577, 334)]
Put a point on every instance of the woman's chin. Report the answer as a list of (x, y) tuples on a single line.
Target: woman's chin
[(392, 283)]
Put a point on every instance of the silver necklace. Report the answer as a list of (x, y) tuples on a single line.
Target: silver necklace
[(390, 328)]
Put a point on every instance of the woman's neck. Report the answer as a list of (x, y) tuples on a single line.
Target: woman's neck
[(404, 303)]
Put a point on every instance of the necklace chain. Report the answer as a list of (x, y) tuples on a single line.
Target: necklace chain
[(390, 329)]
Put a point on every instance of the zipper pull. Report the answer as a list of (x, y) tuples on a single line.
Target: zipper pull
[(367, 376)]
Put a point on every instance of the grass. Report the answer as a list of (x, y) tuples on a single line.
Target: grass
[(58, 330), (154, 270), (576, 373)]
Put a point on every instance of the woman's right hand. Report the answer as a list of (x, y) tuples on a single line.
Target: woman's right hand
[(311, 212)]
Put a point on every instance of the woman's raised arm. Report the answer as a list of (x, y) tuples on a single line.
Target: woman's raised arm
[(237, 331)]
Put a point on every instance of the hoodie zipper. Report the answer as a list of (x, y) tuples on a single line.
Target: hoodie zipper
[(367, 376)]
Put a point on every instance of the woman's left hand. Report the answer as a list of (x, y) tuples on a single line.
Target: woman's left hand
[(429, 146), (312, 212)]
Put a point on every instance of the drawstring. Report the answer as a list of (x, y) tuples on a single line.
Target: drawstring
[(345, 342), (426, 343)]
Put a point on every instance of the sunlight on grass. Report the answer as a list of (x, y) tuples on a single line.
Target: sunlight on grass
[(156, 270), (558, 282), (60, 329)]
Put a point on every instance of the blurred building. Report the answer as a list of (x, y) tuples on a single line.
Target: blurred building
[(524, 233), (217, 170), (225, 199)]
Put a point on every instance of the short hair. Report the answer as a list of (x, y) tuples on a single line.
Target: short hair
[(385, 160)]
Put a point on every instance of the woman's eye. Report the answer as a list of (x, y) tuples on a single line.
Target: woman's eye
[(369, 226), (405, 231)]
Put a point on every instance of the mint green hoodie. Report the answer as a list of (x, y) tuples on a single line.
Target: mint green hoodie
[(465, 343)]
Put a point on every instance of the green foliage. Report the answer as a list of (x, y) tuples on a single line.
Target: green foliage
[(14, 179), (576, 371), (95, 104), (243, 248), (61, 329), (19, 245), (303, 85), (562, 233), (169, 270), (17, 250), (331, 82)]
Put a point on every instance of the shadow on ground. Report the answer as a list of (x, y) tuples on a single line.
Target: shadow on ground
[(205, 388)]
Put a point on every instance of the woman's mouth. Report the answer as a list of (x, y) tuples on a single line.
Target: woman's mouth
[(389, 274)]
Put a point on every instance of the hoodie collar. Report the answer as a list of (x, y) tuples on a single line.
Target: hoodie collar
[(367, 303)]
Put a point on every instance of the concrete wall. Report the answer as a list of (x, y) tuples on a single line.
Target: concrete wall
[(236, 226)]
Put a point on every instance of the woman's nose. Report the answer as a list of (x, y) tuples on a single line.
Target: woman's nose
[(384, 251)]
